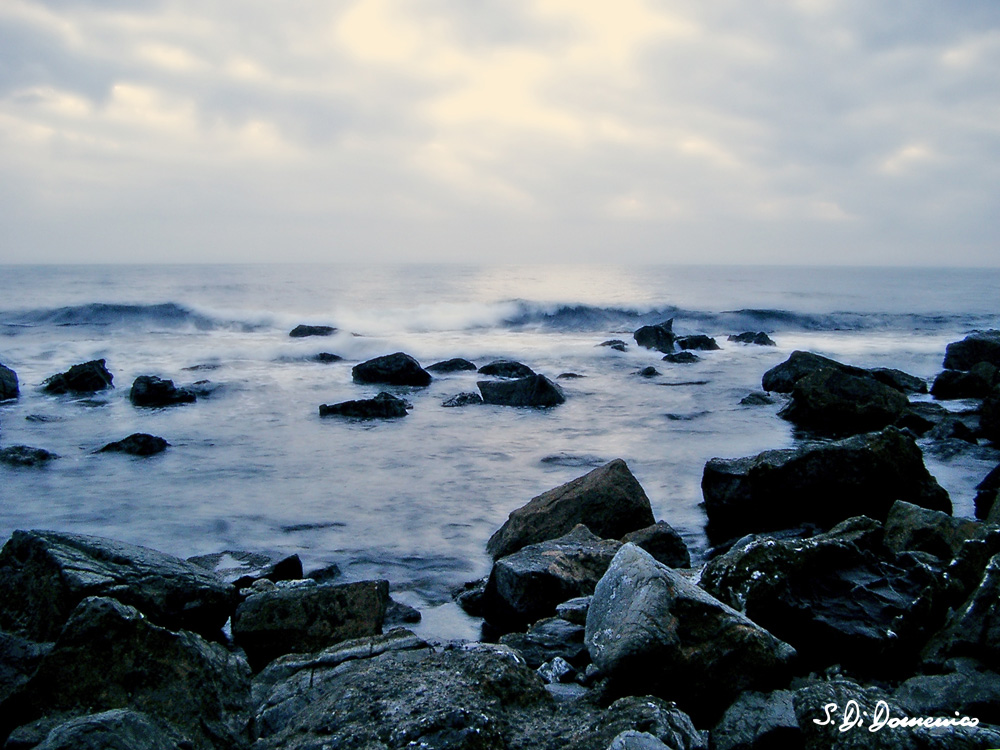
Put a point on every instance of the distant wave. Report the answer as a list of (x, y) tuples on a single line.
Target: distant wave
[(101, 314)]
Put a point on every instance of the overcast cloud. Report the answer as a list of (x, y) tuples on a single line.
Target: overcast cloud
[(641, 130)]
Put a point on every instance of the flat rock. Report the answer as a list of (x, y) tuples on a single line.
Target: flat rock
[(534, 391), (88, 377), (453, 365), (302, 331), (663, 542), (834, 402), (659, 337), (608, 500), (391, 369), (25, 456), (8, 383), (699, 342), (151, 391), (982, 346), (782, 378), (505, 368), (758, 338), (383, 406), (137, 444)]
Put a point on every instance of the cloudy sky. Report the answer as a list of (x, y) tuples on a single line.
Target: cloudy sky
[(812, 131)]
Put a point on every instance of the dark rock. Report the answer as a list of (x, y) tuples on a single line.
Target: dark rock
[(302, 331), (901, 381), (526, 586), (149, 390), (973, 630), (383, 406), (88, 377), (25, 456), (756, 398), (782, 378), (633, 740), (649, 629), (137, 444), (391, 369), (910, 528), (617, 344), (398, 614), (659, 337), (308, 618), (699, 342), (242, 568), (647, 714), (569, 376), (953, 384), (952, 428), (19, 658), (8, 383), (982, 346), (989, 416), (548, 639), (987, 492), (45, 574), (839, 403), (504, 368), (749, 337), (463, 399), (759, 720), (574, 610), (109, 656), (326, 358), (648, 372), (325, 574), (204, 388), (663, 542), (534, 391), (823, 484), (469, 597), (556, 671), (968, 689), (609, 501), (452, 365), (921, 417), (117, 729), (682, 358)]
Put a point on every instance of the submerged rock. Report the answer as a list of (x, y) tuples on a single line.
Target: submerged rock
[(452, 365), (682, 358), (137, 444), (463, 399), (326, 358), (383, 406), (392, 369), (648, 372), (8, 383), (756, 398), (782, 378), (831, 401), (88, 377), (659, 337), (505, 368), (617, 344), (700, 342), (982, 346), (750, 337), (149, 390), (533, 391), (241, 568), (302, 331), (25, 456)]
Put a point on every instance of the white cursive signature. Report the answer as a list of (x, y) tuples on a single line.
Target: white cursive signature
[(854, 717)]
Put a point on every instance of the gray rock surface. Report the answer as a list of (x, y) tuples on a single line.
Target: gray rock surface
[(834, 402), (137, 444), (782, 378), (453, 365), (911, 528), (383, 406), (391, 369), (982, 346), (534, 391), (663, 542), (759, 720), (463, 399), (117, 729)]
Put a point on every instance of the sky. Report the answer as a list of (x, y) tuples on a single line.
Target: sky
[(634, 131)]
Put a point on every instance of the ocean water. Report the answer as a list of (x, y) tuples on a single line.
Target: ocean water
[(414, 500)]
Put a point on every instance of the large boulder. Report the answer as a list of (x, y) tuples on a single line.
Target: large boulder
[(88, 377), (910, 528), (956, 384), (901, 381), (831, 401), (505, 368), (527, 585), (308, 618), (699, 342), (8, 383), (989, 416), (759, 720), (534, 390), (662, 541), (110, 656), (973, 630), (822, 484), (782, 378), (302, 331), (659, 337), (608, 500), (137, 444), (391, 369), (982, 346), (383, 406), (149, 390), (649, 629), (25, 456), (44, 575)]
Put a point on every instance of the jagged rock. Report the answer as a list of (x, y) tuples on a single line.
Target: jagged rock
[(648, 714), (391, 369), (8, 383), (83, 378), (750, 337), (649, 629), (823, 484), (556, 671), (548, 639), (110, 656), (968, 689), (463, 399), (452, 365), (973, 628), (756, 398), (901, 381), (302, 331), (782, 378), (617, 344), (681, 358), (535, 390), (835, 402), (633, 740), (241, 568), (663, 542), (574, 610), (25, 456), (759, 720), (19, 657), (149, 390), (954, 384), (469, 596), (137, 444), (648, 372), (117, 729), (659, 337), (505, 368), (308, 618), (910, 528), (526, 586), (45, 574), (398, 614), (699, 342), (982, 346), (989, 416), (608, 500), (383, 406), (326, 358)]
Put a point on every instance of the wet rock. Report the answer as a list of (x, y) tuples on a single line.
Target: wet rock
[(759, 720), (575, 610), (608, 500), (699, 342), (556, 671), (910, 528), (989, 416), (453, 365), (986, 493), (659, 337), (19, 657), (302, 331), (966, 688), (505, 368), (137, 444), (383, 406), (206, 388), (325, 574), (25, 456), (953, 384), (549, 639), (756, 398), (534, 391), (469, 596), (117, 729), (617, 344), (923, 416), (308, 618), (972, 630), (633, 740), (88, 377), (647, 714), (839, 403), (982, 346), (822, 484), (463, 399), (398, 614), (110, 656), (326, 358), (651, 630), (682, 358), (8, 383), (648, 372), (663, 542), (569, 376), (750, 337), (526, 586), (149, 390), (901, 381), (44, 575), (241, 568), (391, 369), (782, 378), (952, 428)]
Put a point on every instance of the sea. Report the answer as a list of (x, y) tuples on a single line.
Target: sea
[(414, 500)]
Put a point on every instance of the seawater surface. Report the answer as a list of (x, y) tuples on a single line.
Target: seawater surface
[(414, 500)]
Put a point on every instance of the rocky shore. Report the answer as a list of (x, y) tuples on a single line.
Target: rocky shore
[(842, 606)]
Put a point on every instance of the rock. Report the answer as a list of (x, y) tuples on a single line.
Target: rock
[(782, 378), (19, 658), (663, 542), (117, 729), (633, 740), (758, 720), (206, 388), (84, 378), (756, 398), (648, 372), (137, 444), (463, 399), (822, 484), (682, 358), (392, 369), (901, 381), (452, 365), (986, 493), (574, 610), (469, 597), (982, 346), (617, 344), (749, 337), (398, 614), (569, 376), (699, 342), (110, 656), (504, 368), (383, 406), (302, 331), (325, 574), (839, 403), (242, 568), (968, 689), (659, 337), (535, 390), (608, 500), (973, 628), (308, 618), (910, 528), (647, 714), (989, 417), (649, 629), (149, 390), (526, 586), (556, 671), (550, 639), (45, 574), (953, 384), (8, 383), (326, 358), (25, 456)]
